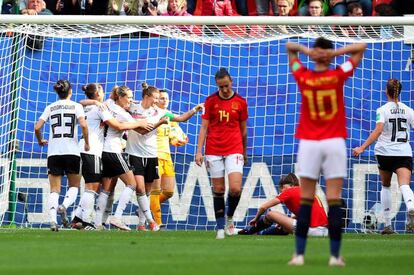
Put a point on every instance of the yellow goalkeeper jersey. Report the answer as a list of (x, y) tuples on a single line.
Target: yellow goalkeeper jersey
[(163, 140)]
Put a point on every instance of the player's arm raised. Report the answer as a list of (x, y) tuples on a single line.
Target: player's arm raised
[(123, 126), (355, 50), (187, 115), (87, 102), (143, 131), (293, 49)]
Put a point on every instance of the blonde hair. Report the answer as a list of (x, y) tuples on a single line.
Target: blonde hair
[(290, 2), (119, 91)]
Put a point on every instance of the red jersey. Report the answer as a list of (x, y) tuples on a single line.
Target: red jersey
[(322, 110), (291, 198), (224, 116)]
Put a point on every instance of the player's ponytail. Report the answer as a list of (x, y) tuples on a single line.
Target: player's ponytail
[(113, 94), (394, 89), (148, 90), (119, 91), (62, 88), (91, 89)]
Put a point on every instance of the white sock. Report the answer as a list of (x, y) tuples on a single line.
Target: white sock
[(144, 207), (70, 197), (123, 201), (108, 208), (386, 204), (100, 207), (141, 217), (408, 196), (53, 205), (86, 204)]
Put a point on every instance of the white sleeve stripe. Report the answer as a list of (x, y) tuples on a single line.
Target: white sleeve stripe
[(347, 66)]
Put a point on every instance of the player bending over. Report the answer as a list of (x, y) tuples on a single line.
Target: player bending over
[(290, 196)]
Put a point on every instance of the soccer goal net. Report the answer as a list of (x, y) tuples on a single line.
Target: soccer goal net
[(182, 55)]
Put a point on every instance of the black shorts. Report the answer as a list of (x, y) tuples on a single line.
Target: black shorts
[(91, 168), (391, 163), (114, 164), (60, 165), (147, 167)]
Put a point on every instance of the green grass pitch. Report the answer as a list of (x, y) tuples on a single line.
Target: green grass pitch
[(189, 252)]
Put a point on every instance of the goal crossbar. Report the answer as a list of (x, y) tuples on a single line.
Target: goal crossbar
[(207, 20)]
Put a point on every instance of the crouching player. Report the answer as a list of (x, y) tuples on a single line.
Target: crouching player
[(290, 196)]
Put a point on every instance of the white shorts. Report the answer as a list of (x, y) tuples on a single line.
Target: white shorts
[(216, 165), (319, 231), (327, 157)]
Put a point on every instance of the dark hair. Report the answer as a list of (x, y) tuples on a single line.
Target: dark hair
[(323, 43), (352, 6), (290, 179), (163, 91), (222, 73), (385, 10), (119, 91), (91, 89), (62, 88), (148, 90), (394, 88)]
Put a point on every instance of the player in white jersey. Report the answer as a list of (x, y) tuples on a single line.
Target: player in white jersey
[(63, 156), (393, 151), (142, 151), (97, 118), (115, 164)]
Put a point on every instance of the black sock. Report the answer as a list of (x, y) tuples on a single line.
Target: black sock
[(302, 225), (260, 225), (219, 205), (335, 226), (233, 201)]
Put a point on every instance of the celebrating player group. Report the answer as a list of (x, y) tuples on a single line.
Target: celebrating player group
[(100, 154)]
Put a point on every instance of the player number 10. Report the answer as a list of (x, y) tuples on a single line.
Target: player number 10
[(224, 116), (317, 109)]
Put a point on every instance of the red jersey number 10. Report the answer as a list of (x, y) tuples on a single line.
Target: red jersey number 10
[(317, 108), (224, 116)]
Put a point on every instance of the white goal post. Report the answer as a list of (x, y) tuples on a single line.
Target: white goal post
[(182, 54)]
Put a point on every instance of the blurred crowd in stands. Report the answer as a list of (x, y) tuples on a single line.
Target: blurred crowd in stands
[(210, 7)]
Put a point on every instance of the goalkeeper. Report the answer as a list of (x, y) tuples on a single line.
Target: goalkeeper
[(290, 196), (163, 188)]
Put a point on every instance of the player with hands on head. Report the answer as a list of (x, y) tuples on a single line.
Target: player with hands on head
[(321, 132), (393, 151), (224, 132)]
